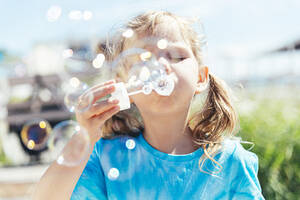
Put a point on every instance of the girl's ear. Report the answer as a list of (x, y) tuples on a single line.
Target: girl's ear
[(130, 99), (203, 80)]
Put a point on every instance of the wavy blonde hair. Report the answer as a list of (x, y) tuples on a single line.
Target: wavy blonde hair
[(209, 124)]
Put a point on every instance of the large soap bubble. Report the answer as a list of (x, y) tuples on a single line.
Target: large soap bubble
[(150, 75), (76, 98), (69, 143)]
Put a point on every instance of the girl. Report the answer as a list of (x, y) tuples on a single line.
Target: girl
[(160, 149)]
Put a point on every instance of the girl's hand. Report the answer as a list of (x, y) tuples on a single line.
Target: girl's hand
[(93, 118)]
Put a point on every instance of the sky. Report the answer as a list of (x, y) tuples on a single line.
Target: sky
[(232, 26)]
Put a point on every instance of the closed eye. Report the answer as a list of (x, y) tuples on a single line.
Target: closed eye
[(175, 57)]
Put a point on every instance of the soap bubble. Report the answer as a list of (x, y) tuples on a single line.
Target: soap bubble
[(145, 56), (35, 134), (162, 44), (147, 88), (130, 144), (76, 97), (113, 174), (155, 74), (53, 13), (69, 143), (144, 74), (128, 33), (164, 85), (87, 15), (67, 53), (98, 61)]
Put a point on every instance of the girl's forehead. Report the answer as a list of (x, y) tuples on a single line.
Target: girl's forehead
[(168, 29)]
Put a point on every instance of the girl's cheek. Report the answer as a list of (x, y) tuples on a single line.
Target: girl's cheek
[(187, 70)]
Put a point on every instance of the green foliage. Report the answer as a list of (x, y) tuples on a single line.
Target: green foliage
[(3, 159), (274, 126)]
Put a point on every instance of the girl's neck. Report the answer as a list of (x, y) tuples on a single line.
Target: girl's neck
[(169, 133)]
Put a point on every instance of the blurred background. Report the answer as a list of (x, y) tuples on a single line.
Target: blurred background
[(253, 45)]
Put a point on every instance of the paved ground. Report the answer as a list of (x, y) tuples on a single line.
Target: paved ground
[(18, 183)]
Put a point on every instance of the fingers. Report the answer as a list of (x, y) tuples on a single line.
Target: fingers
[(108, 114), (100, 107), (98, 111), (102, 92), (96, 87), (97, 92)]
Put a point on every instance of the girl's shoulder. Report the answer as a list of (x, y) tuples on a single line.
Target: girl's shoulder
[(234, 146), (233, 153)]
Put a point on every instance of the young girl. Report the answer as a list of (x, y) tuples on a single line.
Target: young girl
[(159, 149)]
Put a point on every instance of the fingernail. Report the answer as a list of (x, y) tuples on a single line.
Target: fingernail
[(110, 86)]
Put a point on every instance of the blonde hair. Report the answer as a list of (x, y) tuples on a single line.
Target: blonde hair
[(209, 124)]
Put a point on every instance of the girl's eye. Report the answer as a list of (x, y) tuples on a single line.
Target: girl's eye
[(175, 57)]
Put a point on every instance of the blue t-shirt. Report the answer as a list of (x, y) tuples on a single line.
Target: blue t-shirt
[(130, 168)]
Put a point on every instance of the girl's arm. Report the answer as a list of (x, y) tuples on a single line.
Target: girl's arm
[(59, 181)]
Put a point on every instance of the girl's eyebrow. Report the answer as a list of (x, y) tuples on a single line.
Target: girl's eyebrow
[(182, 47)]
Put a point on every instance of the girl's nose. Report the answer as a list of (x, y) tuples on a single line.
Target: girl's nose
[(164, 62)]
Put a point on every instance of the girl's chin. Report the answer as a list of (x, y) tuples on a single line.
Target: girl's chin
[(159, 103)]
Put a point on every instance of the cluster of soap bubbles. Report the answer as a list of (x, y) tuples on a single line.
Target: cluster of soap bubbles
[(67, 141), (146, 73)]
